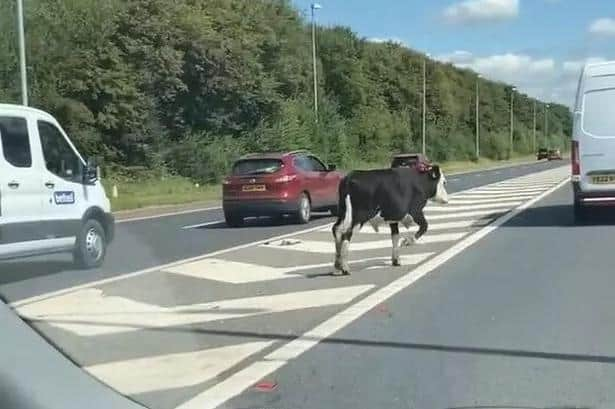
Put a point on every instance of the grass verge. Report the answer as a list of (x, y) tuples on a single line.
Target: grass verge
[(175, 190)]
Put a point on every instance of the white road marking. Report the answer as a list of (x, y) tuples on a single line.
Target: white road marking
[(158, 216), (178, 370), (461, 224), (461, 215), (137, 273), (486, 200), (487, 195), (240, 381), (495, 189), (89, 312), (315, 246), (240, 273), (196, 226), (447, 208)]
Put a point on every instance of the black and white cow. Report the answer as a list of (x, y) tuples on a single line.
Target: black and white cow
[(390, 196)]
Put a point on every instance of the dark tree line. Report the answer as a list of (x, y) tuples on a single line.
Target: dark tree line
[(187, 85)]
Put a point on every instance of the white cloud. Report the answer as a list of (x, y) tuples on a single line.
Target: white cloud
[(603, 27), (475, 11), (542, 78), (395, 40)]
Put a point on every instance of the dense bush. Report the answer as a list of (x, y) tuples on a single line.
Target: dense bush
[(188, 85)]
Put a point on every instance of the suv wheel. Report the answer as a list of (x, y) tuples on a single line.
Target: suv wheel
[(91, 245), (233, 219), (304, 211)]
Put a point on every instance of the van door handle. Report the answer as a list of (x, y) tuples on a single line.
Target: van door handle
[(13, 185), (50, 185)]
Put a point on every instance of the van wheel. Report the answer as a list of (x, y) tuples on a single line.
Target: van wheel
[(91, 245), (304, 211)]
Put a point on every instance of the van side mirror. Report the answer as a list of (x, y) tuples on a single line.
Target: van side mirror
[(331, 167), (90, 172)]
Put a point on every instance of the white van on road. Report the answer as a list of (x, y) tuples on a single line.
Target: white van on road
[(50, 199), (593, 139)]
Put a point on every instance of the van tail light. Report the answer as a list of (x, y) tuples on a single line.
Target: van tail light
[(226, 181), (285, 179), (574, 153)]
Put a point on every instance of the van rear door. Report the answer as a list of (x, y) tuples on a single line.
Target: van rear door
[(595, 132)]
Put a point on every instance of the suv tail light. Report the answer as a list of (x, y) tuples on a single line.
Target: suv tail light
[(285, 179), (574, 153)]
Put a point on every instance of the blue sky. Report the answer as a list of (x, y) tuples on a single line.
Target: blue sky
[(539, 45)]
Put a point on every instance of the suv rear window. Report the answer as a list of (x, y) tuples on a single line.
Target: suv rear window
[(256, 167), (598, 115)]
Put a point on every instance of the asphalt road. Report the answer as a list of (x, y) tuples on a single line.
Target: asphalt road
[(485, 312), (525, 318), (152, 242)]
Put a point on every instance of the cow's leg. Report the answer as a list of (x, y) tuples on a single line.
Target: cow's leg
[(419, 218), (343, 259), (342, 226), (395, 240)]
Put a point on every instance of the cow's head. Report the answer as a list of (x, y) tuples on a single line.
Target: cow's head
[(437, 176)]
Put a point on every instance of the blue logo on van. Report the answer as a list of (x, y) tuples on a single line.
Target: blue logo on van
[(62, 198)]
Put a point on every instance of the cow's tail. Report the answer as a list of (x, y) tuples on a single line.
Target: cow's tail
[(344, 218)]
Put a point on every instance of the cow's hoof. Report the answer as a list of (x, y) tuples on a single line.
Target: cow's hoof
[(395, 262)]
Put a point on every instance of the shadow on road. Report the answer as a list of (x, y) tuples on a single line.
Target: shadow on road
[(561, 216), (516, 353), (13, 271)]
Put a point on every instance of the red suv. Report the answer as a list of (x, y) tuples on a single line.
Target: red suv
[(274, 184)]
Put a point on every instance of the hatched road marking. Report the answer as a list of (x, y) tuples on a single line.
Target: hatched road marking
[(113, 310)]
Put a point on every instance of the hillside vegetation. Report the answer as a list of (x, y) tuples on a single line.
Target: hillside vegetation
[(185, 86)]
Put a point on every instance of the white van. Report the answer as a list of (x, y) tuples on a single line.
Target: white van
[(50, 199), (593, 139)]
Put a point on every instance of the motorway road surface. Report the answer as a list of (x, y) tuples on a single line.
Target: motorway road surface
[(496, 308)]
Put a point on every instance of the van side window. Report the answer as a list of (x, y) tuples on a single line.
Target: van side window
[(15, 141), (60, 159)]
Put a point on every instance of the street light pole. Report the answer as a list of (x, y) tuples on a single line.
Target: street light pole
[(22, 53), (477, 120), (534, 137), (424, 145), (512, 119), (546, 122), (314, 7)]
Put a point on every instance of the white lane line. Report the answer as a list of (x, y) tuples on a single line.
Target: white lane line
[(315, 246), (158, 216), (461, 215), (487, 195), (240, 381), (486, 200), (448, 208), (89, 312), (461, 224), (211, 223), (234, 272), (496, 189), (170, 371), (454, 179), (120, 277)]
